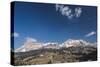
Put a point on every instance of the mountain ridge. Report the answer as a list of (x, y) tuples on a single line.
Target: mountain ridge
[(34, 45)]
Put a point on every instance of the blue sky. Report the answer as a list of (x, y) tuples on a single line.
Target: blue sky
[(48, 22)]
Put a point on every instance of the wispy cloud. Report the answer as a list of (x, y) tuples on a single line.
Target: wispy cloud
[(66, 11), (78, 11), (69, 12), (15, 34), (29, 39), (90, 34)]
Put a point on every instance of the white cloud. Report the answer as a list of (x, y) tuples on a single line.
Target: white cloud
[(59, 7), (65, 11), (69, 12), (15, 34), (70, 16), (78, 11), (90, 34), (29, 39)]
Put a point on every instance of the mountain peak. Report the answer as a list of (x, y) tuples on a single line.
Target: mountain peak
[(80, 42), (30, 44)]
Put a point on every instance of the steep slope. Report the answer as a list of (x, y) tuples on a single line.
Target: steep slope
[(29, 44)]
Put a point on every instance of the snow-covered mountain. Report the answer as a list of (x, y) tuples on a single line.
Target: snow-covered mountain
[(75, 43), (31, 44), (52, 45), (36, 45)]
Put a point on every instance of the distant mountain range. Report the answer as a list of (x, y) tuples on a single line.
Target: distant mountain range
[(34, 52), (34, 45)]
